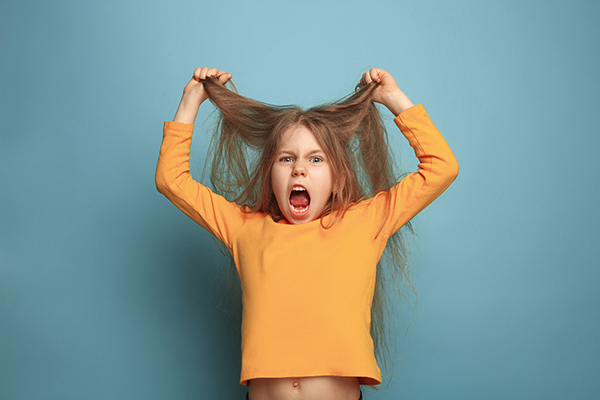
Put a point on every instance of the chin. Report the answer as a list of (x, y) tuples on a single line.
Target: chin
[(298, 221), (298, 218)]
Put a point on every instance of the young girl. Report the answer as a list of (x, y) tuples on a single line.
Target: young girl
[(313, 203)]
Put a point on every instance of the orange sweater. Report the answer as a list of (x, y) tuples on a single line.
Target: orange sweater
[(307, 291)]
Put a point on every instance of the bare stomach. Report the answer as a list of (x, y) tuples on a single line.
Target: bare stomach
[(305, 388)]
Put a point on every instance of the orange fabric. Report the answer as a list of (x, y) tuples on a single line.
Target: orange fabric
[(307, 291)]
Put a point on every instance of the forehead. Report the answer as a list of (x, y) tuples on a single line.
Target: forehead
[(298, 137)]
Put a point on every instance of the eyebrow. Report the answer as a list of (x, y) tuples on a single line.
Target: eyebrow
[(310, 152)]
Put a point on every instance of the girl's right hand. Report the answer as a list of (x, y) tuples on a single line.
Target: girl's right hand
[(195, 89), (194, 94)]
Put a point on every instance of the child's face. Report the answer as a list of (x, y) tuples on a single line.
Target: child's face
[(301, 176)]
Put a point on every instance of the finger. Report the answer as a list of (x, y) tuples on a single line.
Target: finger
[(203, 72), (375, 74), (197, 73), (212, 72), (223, 77), (366, 78)]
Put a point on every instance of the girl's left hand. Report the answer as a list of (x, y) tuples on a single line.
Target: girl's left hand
[(387, 92)]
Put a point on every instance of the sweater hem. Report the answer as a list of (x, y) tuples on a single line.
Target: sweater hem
[(363, 377)]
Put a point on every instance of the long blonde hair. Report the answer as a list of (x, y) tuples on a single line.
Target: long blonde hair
[(353, 135)]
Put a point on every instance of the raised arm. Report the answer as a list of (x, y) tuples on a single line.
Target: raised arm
[(438, 166), (211, 211)]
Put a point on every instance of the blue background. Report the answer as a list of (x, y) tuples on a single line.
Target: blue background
[(107, 291)]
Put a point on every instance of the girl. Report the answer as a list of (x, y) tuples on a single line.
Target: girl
[(313, 203)]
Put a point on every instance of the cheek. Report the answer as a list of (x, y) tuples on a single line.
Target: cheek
[(276, 182), (326, 184), (330, 180)]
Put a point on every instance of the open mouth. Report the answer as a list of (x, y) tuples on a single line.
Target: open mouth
[(299, 200)]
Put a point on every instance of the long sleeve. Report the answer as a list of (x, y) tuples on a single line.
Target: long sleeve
[(437, 169), (173, 179)]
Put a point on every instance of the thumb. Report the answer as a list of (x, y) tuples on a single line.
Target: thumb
[(224, 77)]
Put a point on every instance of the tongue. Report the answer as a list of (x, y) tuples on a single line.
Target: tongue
[(299, 199)]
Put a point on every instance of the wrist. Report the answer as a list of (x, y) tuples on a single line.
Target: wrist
[(397, 102), (188, 109), (191, 100)]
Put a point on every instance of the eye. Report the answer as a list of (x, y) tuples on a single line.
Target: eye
[(286, 159), (316, 159)]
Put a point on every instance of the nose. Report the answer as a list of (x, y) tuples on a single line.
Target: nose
[(299, 169)]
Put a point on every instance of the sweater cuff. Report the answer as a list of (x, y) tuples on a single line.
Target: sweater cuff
[(408, 114), (178, 126)]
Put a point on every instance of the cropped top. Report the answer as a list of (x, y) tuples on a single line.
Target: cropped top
[(307, 290)]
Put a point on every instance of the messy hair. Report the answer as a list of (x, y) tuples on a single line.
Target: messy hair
[(352, 134)]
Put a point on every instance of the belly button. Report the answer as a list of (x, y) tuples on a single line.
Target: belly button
[(295, 384)]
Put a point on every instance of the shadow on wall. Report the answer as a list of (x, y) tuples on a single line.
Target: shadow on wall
[(203, 313), (172, 299)]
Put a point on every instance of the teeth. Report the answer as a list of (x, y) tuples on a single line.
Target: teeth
[(300, 209), (298, 189)]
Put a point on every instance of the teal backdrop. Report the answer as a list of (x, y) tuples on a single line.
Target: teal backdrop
[(107, 291)]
